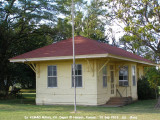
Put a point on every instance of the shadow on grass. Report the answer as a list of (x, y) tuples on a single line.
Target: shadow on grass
[(26, 98), (146, 106)]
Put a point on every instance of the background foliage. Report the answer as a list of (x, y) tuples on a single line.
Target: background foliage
[(26, 25), (148, 85), (141, 25), (144, 90)]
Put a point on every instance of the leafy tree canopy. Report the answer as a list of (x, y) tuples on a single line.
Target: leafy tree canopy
[(142, 24), (21, 30), (89, 18)]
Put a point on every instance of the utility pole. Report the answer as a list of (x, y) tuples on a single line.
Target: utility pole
[(74, 65)]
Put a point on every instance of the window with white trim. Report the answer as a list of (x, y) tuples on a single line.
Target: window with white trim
[(52, 76), (123, 76), (78, 75), (104, 76), (134, 75)]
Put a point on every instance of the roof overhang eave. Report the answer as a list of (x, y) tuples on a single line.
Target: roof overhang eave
[(58, 58), (80, 57), (132, 60)]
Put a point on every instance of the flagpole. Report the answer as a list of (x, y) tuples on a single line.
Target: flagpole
[(73, 56)]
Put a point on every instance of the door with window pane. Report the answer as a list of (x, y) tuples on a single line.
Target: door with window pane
[(112, 79)]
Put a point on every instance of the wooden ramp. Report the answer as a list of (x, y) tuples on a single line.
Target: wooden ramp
[(118, 101)]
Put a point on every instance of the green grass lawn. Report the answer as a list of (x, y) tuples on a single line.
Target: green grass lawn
[(20, 109)]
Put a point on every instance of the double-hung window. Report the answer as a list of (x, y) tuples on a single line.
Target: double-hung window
[(123, 76), (134, 75), (52, 76), (78, 75), (104, 76)]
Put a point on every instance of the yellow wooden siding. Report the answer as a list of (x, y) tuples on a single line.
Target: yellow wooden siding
[(92, 92), (103, 93), (64, 93)]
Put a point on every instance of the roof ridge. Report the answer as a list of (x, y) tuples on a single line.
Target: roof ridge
[(99, 43)]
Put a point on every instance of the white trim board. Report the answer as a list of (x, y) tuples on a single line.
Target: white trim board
[(58, 58), (80, 57)]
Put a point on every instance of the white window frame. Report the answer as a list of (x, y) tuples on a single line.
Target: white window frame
[(54, 76), (124, 80), (134, 75), (104, 75), (76, 75)]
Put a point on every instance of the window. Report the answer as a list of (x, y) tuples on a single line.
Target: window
[(134, 75), (52, 76), (104, 76), (123, 76), (78, 75)]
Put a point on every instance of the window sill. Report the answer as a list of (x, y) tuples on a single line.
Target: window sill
[(124, 86), (104, 87), (78, 87), (52, 87)]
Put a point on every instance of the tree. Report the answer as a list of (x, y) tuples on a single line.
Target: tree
[(20, 28), (62, 30), (63, 26), (93, 23), (144, 89), (142, 24), (153, 76), (78, 14), (22, 73), (88, 19)]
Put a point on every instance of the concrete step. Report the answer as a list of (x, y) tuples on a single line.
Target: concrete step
[(121, 101)]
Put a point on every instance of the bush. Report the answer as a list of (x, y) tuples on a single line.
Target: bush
[(144, 89)]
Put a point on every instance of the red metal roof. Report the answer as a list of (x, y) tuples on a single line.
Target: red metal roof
[(83, 46)]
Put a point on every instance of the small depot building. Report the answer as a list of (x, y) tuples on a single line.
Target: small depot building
[(102, 72)]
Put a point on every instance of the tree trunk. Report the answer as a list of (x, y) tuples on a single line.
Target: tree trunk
[(156, 93)]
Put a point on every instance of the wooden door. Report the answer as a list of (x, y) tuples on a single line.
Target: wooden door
[(112, 79)]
